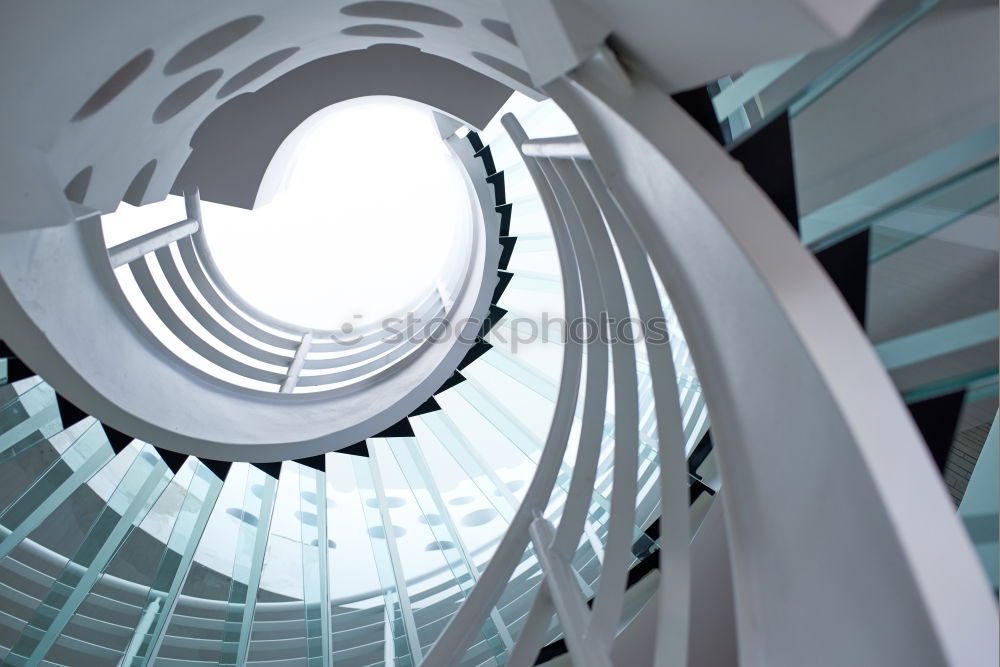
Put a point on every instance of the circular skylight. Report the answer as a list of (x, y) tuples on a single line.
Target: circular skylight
[(362, 222)]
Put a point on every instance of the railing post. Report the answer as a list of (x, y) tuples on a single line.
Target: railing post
[(139, 247), (566, 596), (192, 203), (296, 366), (401, 625), (185, 536), (443, 293), (145, 622)]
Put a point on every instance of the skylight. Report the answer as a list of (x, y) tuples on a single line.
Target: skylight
[(362, 223), (365, 204)]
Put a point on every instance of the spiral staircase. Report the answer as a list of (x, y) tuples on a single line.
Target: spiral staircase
[(764, 469)]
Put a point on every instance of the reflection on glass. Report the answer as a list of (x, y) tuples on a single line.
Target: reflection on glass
[(137, 490), (315, 567), (249, 549), (175, 561), (402, 647)]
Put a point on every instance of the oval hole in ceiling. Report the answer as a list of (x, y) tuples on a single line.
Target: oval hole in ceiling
[(185, 95), (380, 30), (211, 43), (401, 11), (115, 85), (254, 71), (504, 67)]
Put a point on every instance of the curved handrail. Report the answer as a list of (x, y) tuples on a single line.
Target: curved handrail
[(191, 261), (366, 359), (673, 598), (447, 650), (567, 535), (611, 594), (354, 352), (561, 182), (456, 278), (172, 273), (838, 421), (329, 361), (156, 299)]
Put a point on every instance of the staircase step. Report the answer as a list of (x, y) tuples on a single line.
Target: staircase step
[(174, 460), (847, 264), (499, 193), (18, 370), (271, 468), (508, 249), (357, 449), (456, 378), (503, 279), (401, 429), (697, 102), (219, 468), (505, 211), (118, 440), (430, 405), (495, 315), (479, 349), (473, 138), (937, 419), (487, 157), (70, 413), (767, 158), (317, 462)]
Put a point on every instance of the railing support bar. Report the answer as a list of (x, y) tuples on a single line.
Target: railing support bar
[(566, 596), (296, 366), (139, 247)]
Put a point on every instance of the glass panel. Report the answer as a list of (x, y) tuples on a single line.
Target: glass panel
[(15, 376), (82, 460), (249, 549), (938, 341), (489, 426), (472, 467), (533, 242), (138, 489), (969, 195), (357, 622), (733, 95), (196, 507), (925, 285), (32, 417), (402, 646), (978, 508), (20, 472), (960, 167), (9, 392), (977, 385), (467, 481), (315, 566), (504, 367), (796, 95), (447, 538), (279, 609)]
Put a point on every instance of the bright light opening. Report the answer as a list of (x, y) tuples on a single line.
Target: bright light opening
[(361, 226)]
